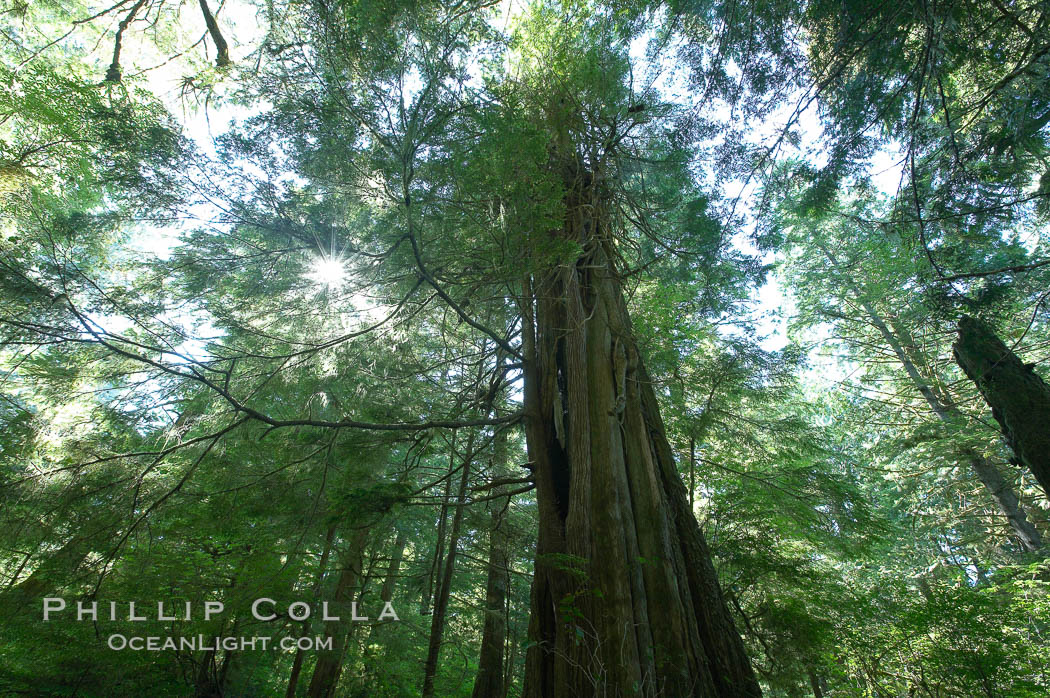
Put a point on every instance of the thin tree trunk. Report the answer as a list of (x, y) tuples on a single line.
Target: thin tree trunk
[(330, 662), (510, 663), (297, 663), (1018, 396), (210, 679), (206, 682), (625, 598), (113, 72), (386, 592), (437, 624), (228, 660), (1000, 489), (222, 50), (489, 680), (392, 571), (439, 548)]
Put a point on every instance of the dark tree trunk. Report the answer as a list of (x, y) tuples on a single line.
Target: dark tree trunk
[(814, 683), (437, 624), (1018, 396), (427, 597), (489, 681), (222, 50), (330, 662), (511, 661), (625, 598), (692, 471), (211, 679), (113, 72), (297, 663)]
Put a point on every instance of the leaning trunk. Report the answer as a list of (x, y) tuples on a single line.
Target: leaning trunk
[(222, 49), (1018, 396), (1006, 498), (940, 402), (625, 598)]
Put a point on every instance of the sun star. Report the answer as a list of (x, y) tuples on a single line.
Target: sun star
[(327, 271)]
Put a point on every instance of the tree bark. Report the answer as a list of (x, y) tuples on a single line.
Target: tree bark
[(692, 471), (392, 571), (1004, 495), (511, 661), (113, 72), (330, 662), (986, 471), (489, 681), (222, 50), (211, 679), (437, 624), (1018, 396), (297, 663), (625, 598), (427, 597), (942, 406), (814, 683)]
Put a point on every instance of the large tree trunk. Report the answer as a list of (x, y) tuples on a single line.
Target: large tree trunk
[(625, 598), (330, 662), (1018, 396), (489, 681)]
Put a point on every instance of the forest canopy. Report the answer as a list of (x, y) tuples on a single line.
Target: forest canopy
[(539, 348)]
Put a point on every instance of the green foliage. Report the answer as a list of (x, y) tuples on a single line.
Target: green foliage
[(182, 421)]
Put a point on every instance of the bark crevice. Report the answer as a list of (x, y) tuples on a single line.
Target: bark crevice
[(625, 598)]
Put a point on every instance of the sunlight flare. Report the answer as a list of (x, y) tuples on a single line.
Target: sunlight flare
[(327, 271)]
